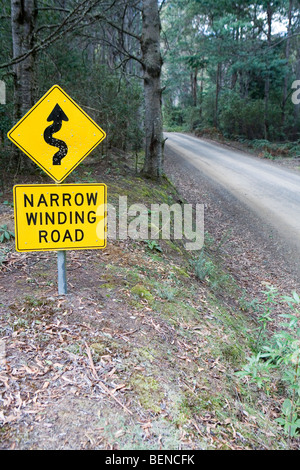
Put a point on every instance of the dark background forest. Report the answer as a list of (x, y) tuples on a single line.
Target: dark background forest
[(230, 68)]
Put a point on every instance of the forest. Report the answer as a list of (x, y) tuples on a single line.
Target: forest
[(232, 66), (214, 67)]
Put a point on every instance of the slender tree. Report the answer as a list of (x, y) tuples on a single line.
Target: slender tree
[(152, 65), (23, 17)]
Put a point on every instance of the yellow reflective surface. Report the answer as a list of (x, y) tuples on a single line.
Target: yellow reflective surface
[(80, 134), (60, 217)]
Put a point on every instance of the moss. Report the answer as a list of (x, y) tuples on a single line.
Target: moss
[(107, 286), (106, 345), (180, 271), (142, 292), (199, 403), (232, 354), (148, 390), (172, 246), (176, 312)]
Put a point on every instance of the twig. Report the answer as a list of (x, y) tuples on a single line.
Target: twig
[(116, 399), (91, 362), (104, 388)]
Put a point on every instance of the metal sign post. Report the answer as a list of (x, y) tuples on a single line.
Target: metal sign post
[(61, 273)]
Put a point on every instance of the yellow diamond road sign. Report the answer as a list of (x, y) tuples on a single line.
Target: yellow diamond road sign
[(56, 134), (60, 217)]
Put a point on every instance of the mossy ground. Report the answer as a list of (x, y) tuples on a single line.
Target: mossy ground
[(165, 344)]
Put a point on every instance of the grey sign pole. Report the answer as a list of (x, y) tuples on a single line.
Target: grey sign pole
[(61, 271)]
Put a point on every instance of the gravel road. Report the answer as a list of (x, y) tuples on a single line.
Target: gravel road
[(257, 200)]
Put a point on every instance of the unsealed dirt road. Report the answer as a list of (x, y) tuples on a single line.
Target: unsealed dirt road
[(258, 199)]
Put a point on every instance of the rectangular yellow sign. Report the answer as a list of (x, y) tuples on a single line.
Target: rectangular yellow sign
[(60, 217)]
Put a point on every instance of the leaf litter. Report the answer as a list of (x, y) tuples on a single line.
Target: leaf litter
[(107, 368)]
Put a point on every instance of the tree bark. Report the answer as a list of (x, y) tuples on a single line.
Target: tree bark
[(297, 106), (201, 93), (23, 15), (152, 64), (218, 89), (267, 82), (194, 85), (287, 57)]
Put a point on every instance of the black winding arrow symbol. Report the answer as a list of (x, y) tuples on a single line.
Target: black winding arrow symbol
[(57, 116)]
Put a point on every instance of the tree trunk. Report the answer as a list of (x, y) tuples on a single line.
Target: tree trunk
[(218, 89), (201, 94), (297, 106), (267, 82), (152, 64), (287, 57), (194, 85), (23, 15)]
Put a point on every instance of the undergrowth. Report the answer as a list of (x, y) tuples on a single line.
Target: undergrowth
[(178, 335), (276, 357)]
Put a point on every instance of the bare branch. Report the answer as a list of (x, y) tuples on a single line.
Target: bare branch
[(74, 20), (122, 51), (161, 5), (117, 27), (65, 10), (67, 25)]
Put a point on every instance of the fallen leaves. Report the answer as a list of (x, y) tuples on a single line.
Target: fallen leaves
[(102, 385), (38, 366)]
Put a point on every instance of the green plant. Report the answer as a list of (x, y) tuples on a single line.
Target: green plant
[(3, 255), (153, 245), (266, 310), (5, 234), (8, 203), (282, 355), (202, 267), (256, 370), (246, 305), (268, 155), (167, 293), (290, 420)]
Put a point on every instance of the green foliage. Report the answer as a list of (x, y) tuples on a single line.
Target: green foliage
[(5, 234), (279, 356), (241, 117), (153, 245), (290, 420), (4, 252), (167, 293), (88, 63), (256, 370), (202, 266), (222, 70), (265, 311), (106, 97)]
